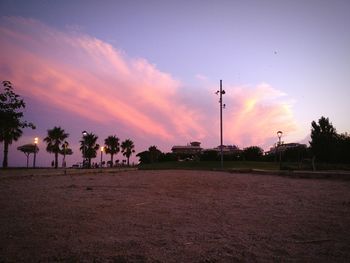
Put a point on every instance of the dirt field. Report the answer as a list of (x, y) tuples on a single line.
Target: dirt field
[(173, 216)]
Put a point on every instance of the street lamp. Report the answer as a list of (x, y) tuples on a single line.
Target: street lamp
[(102, 149), (84, 134), (279, 135), (222, 106), (36, 140)]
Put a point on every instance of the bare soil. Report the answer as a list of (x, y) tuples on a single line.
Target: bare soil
[(173, 216)]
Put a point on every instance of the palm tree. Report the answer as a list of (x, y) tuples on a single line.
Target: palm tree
[(89, 147), (55, 138), (65, 151), (112, 146), (128, 148)]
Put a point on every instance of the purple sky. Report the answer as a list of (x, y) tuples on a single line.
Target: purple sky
[(148, 70)]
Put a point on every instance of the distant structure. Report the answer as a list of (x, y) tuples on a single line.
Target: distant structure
[(227, 149), (283, 147), (191, 148), (194, 148)]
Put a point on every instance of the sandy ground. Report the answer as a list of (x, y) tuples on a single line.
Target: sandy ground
[(173, 216)]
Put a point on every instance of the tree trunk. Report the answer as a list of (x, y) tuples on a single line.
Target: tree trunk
[(128, 160), (27, 160), (6, 150), (111, 159), (56, 160), (89, 163)]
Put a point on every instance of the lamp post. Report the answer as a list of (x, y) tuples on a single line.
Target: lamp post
[(36, 140), (222, 106), (84, 134), (279, 135), (102, 149)]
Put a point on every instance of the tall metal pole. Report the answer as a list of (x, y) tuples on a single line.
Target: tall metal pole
[(221, 139)]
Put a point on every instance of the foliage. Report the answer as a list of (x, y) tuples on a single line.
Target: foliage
[(167, 157), (343, 148), (323, 140), (152, 155), (295, 154), (55, 139), (209, 155), (111, 146), (89, 147), (27, 149), (144, 157), (253, 153), (11, 114), (327, 145), (65, 150), (128, 149)]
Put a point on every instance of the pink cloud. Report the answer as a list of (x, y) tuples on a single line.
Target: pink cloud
[(258, 114), (90, 78)]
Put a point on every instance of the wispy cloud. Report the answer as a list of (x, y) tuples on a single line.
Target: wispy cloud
[(257, 114), (90, 78)]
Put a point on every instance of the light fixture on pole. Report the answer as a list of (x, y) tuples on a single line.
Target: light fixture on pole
[(102, 149), (279, 135), (222, 106), (36, 140), (84, 134)]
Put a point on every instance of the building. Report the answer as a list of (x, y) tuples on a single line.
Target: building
[(284, 146), (227, 149), (191, 149)]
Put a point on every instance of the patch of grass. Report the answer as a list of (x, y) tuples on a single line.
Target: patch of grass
[(209, 165)]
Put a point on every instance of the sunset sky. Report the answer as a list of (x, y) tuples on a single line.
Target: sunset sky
[(148, 70)]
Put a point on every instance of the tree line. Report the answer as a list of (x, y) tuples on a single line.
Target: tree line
[(12, 125), (57, 144), (326, 145)]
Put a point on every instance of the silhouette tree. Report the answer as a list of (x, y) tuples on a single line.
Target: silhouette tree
[(144, 157), (343, 148), (55, 138), (112, 146), (27, 149), (128, 149), (150, 156), (154, 153), (65, 150), (323, 140), (253, 153), (11, 114), (89, 147)]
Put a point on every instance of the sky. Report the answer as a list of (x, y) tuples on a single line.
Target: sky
[(149, 70)]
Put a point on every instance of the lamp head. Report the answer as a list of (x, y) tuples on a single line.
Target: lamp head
[(279, 134)]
